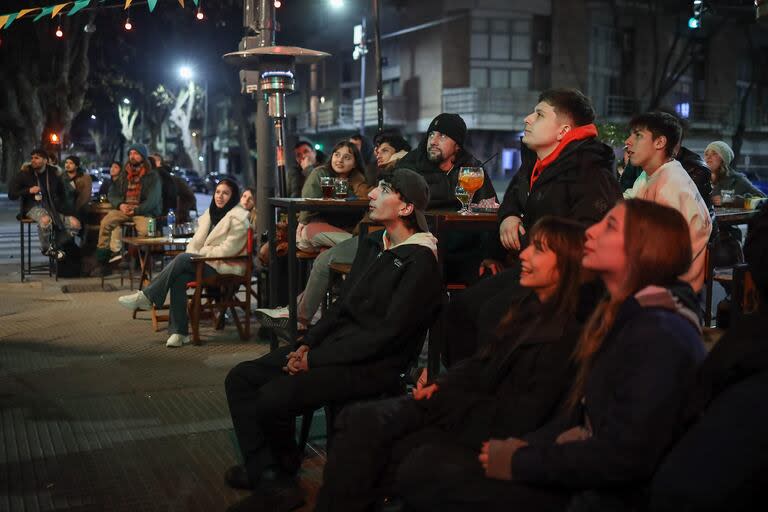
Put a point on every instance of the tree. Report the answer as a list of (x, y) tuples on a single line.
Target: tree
[(127, 120), (181, 115), (42, 85)]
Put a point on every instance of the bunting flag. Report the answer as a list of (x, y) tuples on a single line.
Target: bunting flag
[(3, 19), (9, 19), (58, 8), (46, 11), (24, 12), (79, 4), (181, 3), (127, 4), (151, 4)]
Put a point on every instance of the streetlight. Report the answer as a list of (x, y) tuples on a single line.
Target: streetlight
[(126, 101), (186, 72), (337, 4), (93, 117)]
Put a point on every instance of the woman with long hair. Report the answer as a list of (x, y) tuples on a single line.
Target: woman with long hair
[(222, 231), (510, 387), (636, 357), (345, 163)]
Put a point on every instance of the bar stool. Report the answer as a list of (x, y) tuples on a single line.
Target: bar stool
[(41, 269)]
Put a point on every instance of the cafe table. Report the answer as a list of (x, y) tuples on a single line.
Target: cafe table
[(724, 216), (146, 247), (292, 206)]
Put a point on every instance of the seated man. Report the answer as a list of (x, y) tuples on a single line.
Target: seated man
[(136, 194), (356, 351), (651, 145), (43, 199), (390, 147), (566, 172)]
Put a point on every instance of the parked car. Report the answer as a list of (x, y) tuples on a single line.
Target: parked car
[(196, 183)]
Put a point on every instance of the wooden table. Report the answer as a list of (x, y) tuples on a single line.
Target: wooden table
[(293, 206), (145, 246), (723, 217)]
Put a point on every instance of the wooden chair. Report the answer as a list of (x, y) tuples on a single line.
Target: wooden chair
[(217, 294)]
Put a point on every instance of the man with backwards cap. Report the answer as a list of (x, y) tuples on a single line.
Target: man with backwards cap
[(356, 351)]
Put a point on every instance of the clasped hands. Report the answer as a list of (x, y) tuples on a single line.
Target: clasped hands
[(297, 361)]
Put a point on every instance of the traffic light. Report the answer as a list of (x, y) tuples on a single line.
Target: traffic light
[(694, 21)]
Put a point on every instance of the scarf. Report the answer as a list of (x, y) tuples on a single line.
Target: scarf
[(578, 133), (133, 190)]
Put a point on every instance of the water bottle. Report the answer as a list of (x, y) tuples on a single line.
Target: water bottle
[(151, 227), (171, 223)]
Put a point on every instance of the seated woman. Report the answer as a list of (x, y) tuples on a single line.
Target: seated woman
[(222, 231), (637, 355), (510, 387), (346, 162)]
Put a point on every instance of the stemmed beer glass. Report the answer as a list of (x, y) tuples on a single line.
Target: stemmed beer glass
[(471, 180)]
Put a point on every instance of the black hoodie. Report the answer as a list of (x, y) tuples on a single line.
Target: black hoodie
[(442, 185), (579, 185)]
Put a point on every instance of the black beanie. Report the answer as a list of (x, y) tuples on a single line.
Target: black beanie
[(75, 160), (451, 125)]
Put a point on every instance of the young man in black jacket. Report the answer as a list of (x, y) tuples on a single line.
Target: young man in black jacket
[(43, 199), (565, 172), (439, 157), (356, 351)]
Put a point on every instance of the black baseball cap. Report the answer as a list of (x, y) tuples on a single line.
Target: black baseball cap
[(413, 189)]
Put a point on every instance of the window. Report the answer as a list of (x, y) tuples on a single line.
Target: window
[(500, 46), (495, 46), (478, 77), (479, 46), (500, 78), (519, 78)]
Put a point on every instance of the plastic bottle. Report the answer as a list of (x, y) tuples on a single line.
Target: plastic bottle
[(151, 227), (171, 223)]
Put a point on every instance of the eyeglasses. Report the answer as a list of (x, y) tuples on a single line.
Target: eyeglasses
[(437, 135)]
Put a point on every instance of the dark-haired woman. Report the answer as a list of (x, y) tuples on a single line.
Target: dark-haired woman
[(314, 230), (509, 388), (222, 231), (636, 355)]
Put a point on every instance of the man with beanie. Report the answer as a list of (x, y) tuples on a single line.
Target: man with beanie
[(718, 156), (136, 195), (438, 158), (565, 172), (43, 199), (356, 351), (78, 185)]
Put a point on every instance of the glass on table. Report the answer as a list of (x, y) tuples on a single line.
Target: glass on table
[(341, 187), (471, 179), (463, 197), (327, 186), (727, 196)]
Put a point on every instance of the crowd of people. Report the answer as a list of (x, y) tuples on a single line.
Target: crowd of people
[(574, 367), (575, 373)]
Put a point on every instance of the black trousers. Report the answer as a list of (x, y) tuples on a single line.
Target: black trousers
[(264, 402), (473, 314)]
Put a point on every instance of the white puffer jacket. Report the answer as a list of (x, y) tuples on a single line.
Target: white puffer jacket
[(228, 238)]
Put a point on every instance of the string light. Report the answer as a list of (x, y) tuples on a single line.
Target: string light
[(278, 4), (59, 32), (128, 24), (200, 16)]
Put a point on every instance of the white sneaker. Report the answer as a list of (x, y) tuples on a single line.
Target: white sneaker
[(135, 301), (177, 340)]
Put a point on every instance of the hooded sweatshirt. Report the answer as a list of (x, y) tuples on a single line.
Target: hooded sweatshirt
[(671, 186)]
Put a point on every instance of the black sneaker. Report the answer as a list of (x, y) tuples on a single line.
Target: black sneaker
[(116, 256)]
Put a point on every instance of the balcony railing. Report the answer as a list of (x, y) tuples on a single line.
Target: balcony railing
[(329, 118), (621, 107), (394, 111), (490, 109)]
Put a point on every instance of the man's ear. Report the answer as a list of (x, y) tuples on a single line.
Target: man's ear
[(660, 142), (565, 128), (406, 210)]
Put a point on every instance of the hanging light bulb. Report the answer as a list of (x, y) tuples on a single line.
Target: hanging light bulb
[(200, 16), (59, 32), (278, 4), (128, 24)]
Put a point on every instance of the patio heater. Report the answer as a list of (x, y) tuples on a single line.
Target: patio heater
[(276, 67)]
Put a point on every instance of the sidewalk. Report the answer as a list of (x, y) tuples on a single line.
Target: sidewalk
[(97, 414)]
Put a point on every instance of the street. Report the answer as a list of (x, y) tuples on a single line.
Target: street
[(97, 414)]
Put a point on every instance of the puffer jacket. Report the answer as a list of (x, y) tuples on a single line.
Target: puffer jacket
[(227, 238)]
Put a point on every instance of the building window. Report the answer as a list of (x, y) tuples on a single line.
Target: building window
[(478, 77), (500, 78)]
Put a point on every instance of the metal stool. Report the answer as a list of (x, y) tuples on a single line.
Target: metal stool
[(51, 268)]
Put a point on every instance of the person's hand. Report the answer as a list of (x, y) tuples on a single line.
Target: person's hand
[(293, 358), (34, 190), (483, 457), (489, 265), (422, 392), (298, 364), (717, 200), (306, 161), (125, 208), (509, 232)]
